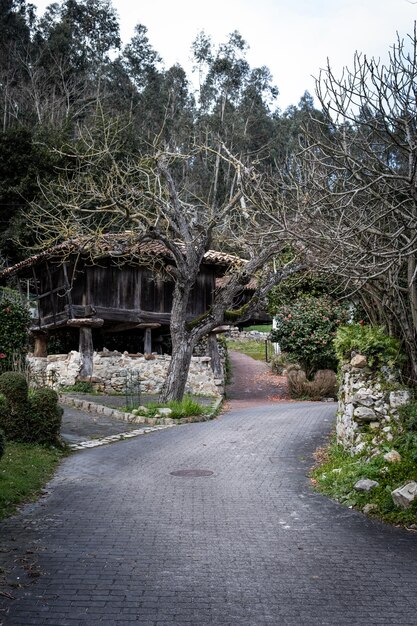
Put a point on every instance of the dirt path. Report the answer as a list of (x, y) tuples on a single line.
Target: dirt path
[(253, 382)]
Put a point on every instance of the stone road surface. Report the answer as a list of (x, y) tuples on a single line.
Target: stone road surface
[(120, 540)]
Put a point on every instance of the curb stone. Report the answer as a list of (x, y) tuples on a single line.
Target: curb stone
[(153, 423)]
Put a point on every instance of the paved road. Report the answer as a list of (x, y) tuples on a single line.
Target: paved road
[(119, 539)]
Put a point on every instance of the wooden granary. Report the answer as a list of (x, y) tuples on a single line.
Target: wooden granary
[(107, 291)]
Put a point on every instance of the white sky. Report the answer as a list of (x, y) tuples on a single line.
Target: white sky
[(292, 37)]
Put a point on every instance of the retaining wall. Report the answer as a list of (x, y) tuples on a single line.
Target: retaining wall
[(113, 371)]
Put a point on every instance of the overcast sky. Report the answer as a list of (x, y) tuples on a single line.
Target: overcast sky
[(292, 37)]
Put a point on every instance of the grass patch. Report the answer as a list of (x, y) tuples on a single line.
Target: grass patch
[(262, 328), (187, 407), (24, 469), (81, 386), (337, 472), (253, 348)]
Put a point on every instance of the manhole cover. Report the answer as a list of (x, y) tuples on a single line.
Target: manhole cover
[(192, 472)]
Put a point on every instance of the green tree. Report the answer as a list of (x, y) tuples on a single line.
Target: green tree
[(306, 329)]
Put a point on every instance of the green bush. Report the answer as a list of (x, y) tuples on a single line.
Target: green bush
[(46, 416), (29, 420), (371, 341), (2, 443), (306, 329), (14, 407)]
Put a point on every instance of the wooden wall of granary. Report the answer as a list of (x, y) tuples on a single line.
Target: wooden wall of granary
[(114, 287)]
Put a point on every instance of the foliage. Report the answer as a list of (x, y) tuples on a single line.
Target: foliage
[(2, 442), (81, 386), (24, 469), (371, 341), (306, 284), (338, 472), (14, 324), (34, 419), (323, 385), (282, 362), (45, 416), (250, 347), (305, 330)]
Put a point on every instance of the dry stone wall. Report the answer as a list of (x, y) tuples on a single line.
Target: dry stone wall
[(113, 370), (368, 415)]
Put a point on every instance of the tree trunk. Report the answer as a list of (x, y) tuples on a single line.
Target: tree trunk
[(174, 386)]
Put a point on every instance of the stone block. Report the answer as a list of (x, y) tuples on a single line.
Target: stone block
[(368, 508), (399, 398), (365, 484), (392, 456), (364, 414), (404, 496), (359, 360)]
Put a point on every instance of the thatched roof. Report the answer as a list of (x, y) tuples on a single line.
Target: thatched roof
[(124, 246)]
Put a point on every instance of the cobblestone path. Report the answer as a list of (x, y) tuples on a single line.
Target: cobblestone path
[(119, 539)]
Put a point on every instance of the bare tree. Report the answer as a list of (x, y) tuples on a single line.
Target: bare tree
[(354, 186), (163, 197)]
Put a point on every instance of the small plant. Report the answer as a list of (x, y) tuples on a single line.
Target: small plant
[(81, 386), (281, 362), (371, 341)]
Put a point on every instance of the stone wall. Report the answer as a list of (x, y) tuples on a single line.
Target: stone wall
[(367, 417), (239, 335), (113, 370)]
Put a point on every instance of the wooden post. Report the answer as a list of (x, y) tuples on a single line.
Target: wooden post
[(147, 327), (86, 352), (148, 341), (86, 348), (41, 344)]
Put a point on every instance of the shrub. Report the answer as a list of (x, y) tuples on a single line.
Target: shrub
[(28, 420), (281, 362), (14, 407), (46, 416), (306, 329), (2, 443), (371, 341), (323, 385)]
